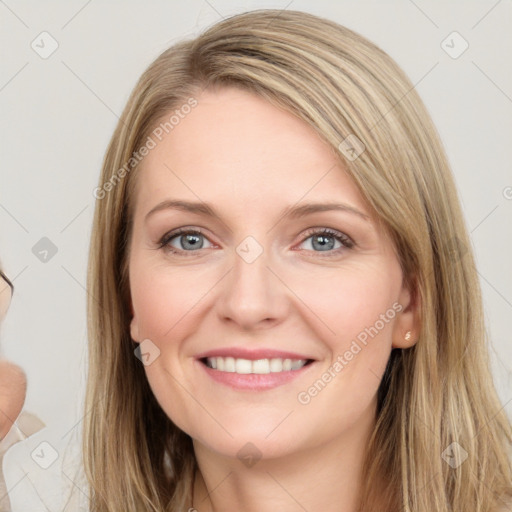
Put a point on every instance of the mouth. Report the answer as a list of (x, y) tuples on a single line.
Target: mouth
[(250, 366), (256, 374)]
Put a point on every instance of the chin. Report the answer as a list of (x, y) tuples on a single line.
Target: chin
[(247, 447)]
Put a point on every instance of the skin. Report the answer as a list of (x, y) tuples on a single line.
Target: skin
[(12, 378), (249, 160)]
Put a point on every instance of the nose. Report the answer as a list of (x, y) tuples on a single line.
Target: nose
[(253, 296)]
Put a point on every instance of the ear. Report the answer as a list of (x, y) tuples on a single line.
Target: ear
[(408, 319), (134, 328), (134, 323)]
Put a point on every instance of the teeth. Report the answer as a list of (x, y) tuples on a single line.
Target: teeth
[(243, 366), (276, 365), (296, 364), (259, 366), (229, 364)]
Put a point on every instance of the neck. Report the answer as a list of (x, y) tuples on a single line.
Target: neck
[(323, 477)]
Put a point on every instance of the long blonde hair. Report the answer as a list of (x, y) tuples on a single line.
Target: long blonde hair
[(434, 394)]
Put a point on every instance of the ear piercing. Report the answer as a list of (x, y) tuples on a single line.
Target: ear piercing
[(408, 335)]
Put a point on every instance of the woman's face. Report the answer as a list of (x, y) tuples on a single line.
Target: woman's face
[(228, 260)]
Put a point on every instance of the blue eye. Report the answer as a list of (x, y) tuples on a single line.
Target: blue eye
[(324, 240), (192, 240), (188, 239)]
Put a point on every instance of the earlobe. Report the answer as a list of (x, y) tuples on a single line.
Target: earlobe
[(408, 323), (134, 324), (134, 329)]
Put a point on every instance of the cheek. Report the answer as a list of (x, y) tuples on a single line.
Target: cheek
[(163, 304), (162, 300), (355, 310), (12, 395), (351, 303), (357, 321)]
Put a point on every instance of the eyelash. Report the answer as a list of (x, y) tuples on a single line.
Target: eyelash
[(346, 241)]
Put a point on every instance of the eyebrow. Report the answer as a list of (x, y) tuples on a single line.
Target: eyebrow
[(294, 212)]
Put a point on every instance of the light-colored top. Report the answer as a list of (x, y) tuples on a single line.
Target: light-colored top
[(41, 471), (26, 425)]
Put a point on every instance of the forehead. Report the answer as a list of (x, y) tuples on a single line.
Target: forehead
[(236, 146)]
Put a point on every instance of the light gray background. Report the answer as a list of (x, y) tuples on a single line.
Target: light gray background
[(58, 115)]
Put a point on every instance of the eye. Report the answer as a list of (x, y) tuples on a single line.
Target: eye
[(183, 240), (190, 240), (324, 240)]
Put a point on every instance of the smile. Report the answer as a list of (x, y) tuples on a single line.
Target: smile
[(261, 374), (259, 366)]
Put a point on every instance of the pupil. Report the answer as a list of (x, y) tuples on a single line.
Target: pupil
[(324, 242), (192, 241)]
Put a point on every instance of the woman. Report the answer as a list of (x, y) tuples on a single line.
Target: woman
[(12, 379), (284, 308), (14, 427), (13, 386)]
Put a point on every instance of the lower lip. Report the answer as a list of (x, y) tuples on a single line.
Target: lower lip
[(254, 381)]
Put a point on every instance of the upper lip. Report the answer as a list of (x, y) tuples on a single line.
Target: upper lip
[(251, 354)]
